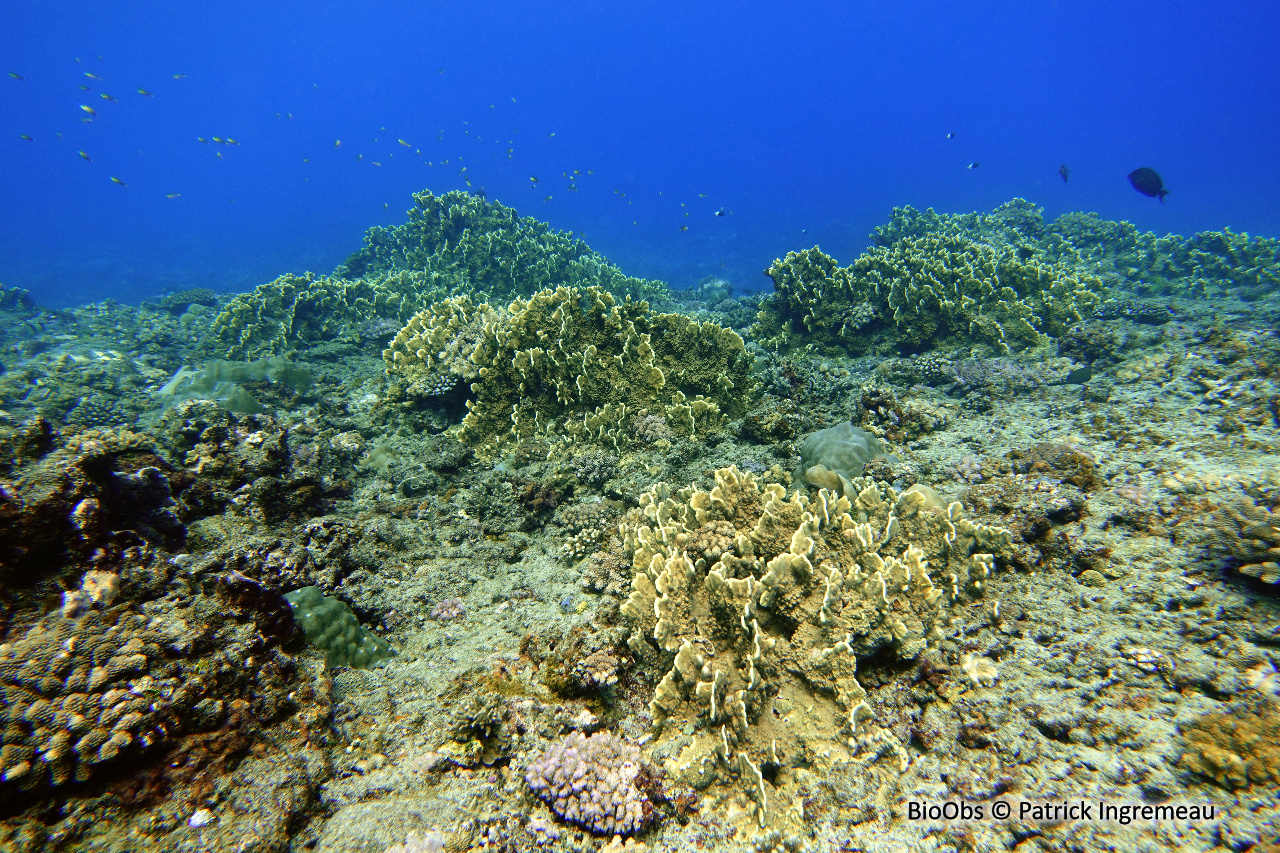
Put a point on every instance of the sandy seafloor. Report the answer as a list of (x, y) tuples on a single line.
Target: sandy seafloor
[(1124, 624)]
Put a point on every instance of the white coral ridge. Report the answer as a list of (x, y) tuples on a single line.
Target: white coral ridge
[(590, 782)]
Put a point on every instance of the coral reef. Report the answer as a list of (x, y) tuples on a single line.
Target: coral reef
[(96, 492), (934, 290), (596, 782), (331, 626), (484, 250), (295, 311), (832, 457), (227, 383), (1249, 536), (775, 621), (1237, 749), (572, 365)]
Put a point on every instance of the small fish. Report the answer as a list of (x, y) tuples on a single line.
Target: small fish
[(84, 156), (144, 93), (684, 227), (218, 154), (90, 110), (116, 180), (231, 141), (384, 205), (375, 162), (106, 97), (405, 144), (1064, 172), (85, 89), (548, 198), (179, 77), (513, 100), (1148, 182), (24, 136), (533, 180), (702, 195), (337, 143), (202, 139), (720, 212), (551, 134), (305, 160), (219, 140), (173, 195), (91, 75), (16, 76), (359, 157), (972, 165), (951, 136)]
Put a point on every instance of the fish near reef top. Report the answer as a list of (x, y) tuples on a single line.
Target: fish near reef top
[(1148, 182)]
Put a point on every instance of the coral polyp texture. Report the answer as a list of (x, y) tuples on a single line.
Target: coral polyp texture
[(760, 634), (596, 782), (78, 693), (490, 250), (922, 292), (572, 364)]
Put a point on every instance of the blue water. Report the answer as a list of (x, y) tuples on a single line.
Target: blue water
[(805, 122)]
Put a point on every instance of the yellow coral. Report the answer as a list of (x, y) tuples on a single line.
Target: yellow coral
[(802, 585)]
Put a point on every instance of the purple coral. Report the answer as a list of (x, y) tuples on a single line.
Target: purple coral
[(450, 608), (595, 783)]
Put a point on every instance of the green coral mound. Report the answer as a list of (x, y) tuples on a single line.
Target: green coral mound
[(490, 251), (330, 625), (297, 311), (453, 244), (997, 282), (571, 364), (937, 288), (1210, 263)]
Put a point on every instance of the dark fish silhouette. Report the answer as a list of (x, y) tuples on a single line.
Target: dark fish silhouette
[(1064, 172), (1148, 182)]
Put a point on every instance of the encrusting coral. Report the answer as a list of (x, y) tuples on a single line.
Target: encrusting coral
[(571, 364), (762, 639)]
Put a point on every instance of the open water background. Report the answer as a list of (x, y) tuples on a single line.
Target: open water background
[(805, 122)]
